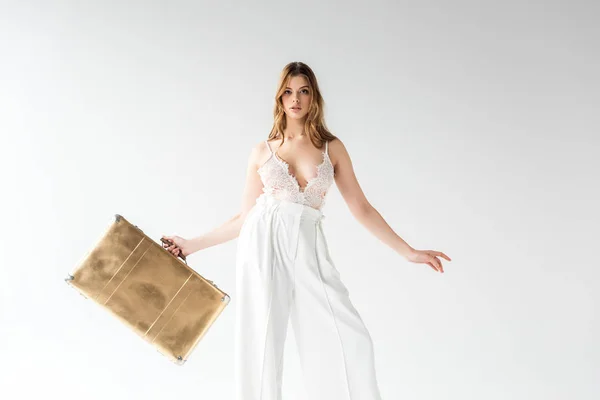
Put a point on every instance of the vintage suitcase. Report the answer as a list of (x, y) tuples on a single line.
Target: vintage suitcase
[(149, 289)]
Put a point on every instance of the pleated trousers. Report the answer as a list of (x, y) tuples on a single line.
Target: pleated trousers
[(284, 272)]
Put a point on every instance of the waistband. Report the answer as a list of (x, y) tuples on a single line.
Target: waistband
[(297, 209)]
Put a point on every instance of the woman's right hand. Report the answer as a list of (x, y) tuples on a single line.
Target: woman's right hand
[(179, 246)]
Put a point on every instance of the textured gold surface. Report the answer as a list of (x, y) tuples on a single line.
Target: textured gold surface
[(149, 289)]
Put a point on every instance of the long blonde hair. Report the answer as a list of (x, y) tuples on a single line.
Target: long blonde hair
[(314, 125)]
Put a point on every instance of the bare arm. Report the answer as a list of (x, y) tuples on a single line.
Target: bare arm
[(231, 229), (358, 204)]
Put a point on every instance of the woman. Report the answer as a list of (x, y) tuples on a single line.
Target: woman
[(283, 266)]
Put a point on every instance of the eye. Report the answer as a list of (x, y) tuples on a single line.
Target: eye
[(303, 90)]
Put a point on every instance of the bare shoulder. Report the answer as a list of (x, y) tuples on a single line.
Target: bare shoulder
[(273, 144), (336, 145), (337, 151), (259, 154)]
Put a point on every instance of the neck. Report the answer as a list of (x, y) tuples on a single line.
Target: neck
[(294, 128)]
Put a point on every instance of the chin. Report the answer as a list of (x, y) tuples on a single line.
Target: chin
[(297, 116)]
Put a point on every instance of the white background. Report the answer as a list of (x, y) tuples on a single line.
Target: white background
[(473, 129)]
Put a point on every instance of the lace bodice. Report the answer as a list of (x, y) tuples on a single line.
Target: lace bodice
[(280, 183)]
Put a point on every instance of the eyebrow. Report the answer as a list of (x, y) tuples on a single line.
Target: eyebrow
[(299, 88)]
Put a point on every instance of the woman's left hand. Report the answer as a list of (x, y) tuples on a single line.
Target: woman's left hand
[(429, 257)]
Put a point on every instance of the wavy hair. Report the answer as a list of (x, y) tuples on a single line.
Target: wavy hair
[(314, 125)]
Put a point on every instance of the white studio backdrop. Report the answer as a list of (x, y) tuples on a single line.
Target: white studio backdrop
[(473, 129)]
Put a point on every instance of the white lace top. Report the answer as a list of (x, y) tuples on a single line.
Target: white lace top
[(280, 183)]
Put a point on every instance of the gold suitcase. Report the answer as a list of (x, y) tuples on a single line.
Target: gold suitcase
[(149, 289)]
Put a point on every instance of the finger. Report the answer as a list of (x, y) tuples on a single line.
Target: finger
[(432, 266), (438, 264), (431, 262), (440, 267), (440, 254)]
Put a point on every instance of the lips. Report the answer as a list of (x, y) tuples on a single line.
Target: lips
[(296, 108)]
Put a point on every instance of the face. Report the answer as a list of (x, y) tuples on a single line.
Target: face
[(296, 98)]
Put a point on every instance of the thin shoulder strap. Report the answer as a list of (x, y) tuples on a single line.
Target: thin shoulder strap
[(268, 147), (326, 143)]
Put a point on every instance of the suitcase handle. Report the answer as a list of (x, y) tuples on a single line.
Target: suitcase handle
[(169, 242)]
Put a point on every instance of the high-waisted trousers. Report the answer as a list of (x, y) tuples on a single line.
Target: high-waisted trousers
[(284, 272)]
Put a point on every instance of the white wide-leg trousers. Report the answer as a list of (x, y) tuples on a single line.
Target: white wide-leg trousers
[(284, 271)]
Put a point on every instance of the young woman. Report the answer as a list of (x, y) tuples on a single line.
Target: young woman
[(283, 266)]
